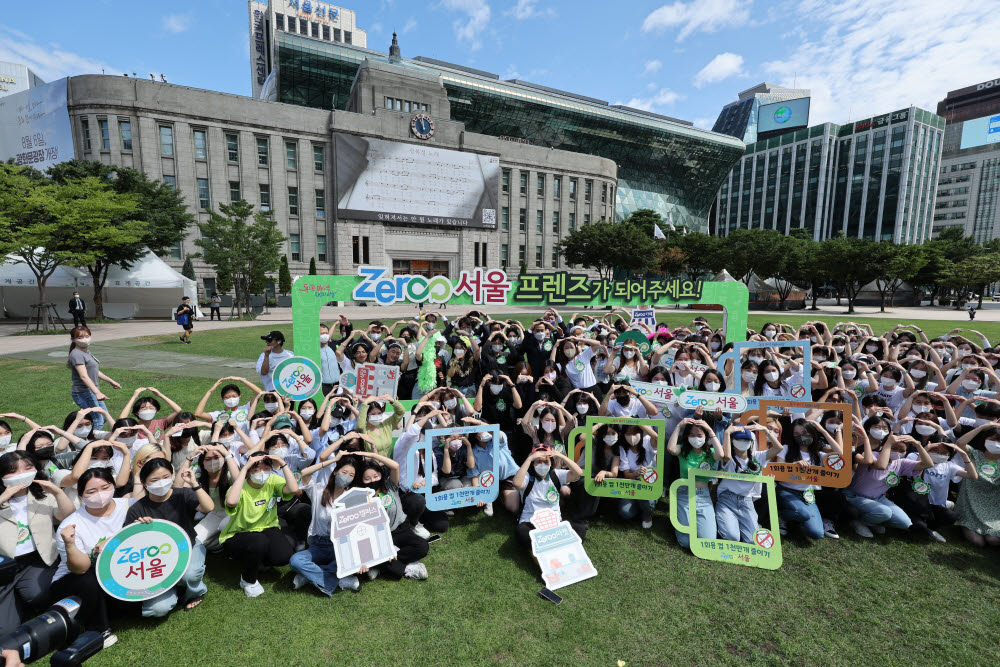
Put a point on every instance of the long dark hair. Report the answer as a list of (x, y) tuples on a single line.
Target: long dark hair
[(686, 446), (331, 484), (359, 474), (762, 368), (225, 481), (76, 332), (11, 461), (813, 447), (641, 459)]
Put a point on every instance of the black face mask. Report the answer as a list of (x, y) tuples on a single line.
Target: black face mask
[(374, 486), (803, 440), (623, 400), (45, 452)]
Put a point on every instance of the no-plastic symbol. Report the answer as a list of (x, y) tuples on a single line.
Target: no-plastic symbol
[(835, 462), (764, 538), (650, 476), (486, 479), (798, 391)]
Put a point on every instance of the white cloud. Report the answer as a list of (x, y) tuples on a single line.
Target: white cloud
[(49, 61), (662, 98), (870, 58), (698, 15), (526, 9), (511, 72), (476, 16), (704, 123), (410, 24), (176, 23), (375, 27), (721, 67), (652, 67)]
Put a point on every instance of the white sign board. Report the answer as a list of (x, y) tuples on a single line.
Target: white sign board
[(359, 530), (35, 128), (376, 380), (559, 551), (644, 315)]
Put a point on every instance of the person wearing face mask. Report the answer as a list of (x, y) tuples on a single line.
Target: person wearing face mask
[(694, 444), (627, 363), (926, 376), (377, 424), (505, 467), (605, 441), (178, 505), (539, 484), (7, 442), (924, 497), (216, 469), (461, 368), (30, 509), (231, 401), (329, 365), (79, 539), (100, 454), (453, 456), (80, 424), (425, 418), (537, 346), (146, 408), (970, 383), (893, 385), (86, 374), (773, 382), (572, 356), (498, 401), (978, 506), (551, 428), (636, 454), (41, 443), (735, 514), (253, 537), (624, 401), (797, 502)]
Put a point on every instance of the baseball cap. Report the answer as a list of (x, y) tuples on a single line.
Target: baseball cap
[(274, 335), (742, 434)]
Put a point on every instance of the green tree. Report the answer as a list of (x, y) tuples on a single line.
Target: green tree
[(607, 247), (895, 264), (242, 244), (47, 224), (706, 254), (951, 246), (645, 219), (790, 260), (752, 252), (851, 262), (971, 272), (157, 223), (812, 270), (673, 261), (312, 266), (284, 277), (188, 269)]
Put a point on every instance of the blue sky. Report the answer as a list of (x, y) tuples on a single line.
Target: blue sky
[(685, 58)]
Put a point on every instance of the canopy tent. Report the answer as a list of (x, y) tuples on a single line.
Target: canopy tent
[(149, 289), (725, 277)]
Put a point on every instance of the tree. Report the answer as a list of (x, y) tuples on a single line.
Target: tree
[(973, 271), (812, 270), (188, 269), (242, 244), (645, 219), (753, 251), (673, 261), (157, 223), (607, 247), (47, 224), (284, 277), (312, 266), (791, 260), (706, 254), (895, 264), (851, 262), (951, 246)]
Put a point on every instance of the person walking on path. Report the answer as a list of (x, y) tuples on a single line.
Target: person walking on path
[(185, 318), (972, 312), (78, 309)]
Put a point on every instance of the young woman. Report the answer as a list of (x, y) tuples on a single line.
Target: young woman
[(628, 363), (539, 485), (216, 468), (178, 505), (81, 536), (692, 452), (735, 513), (253, 537), (30, 509), (978, 505), (572, 357), (86, 374), (797, 502), (373, 421), (461, 368), (635, 455), (146, 408)]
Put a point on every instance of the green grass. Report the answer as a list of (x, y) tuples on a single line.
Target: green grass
[(849, 602)]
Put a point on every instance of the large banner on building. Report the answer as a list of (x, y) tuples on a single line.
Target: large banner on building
[(391, 181), (34, 126)]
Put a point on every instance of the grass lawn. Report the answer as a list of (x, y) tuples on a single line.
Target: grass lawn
[(849, 602)]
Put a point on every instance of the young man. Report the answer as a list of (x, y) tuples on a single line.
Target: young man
[(78, 309), (185, 318), (215, 304), (272, 355)]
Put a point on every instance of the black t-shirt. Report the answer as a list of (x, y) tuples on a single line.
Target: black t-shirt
[(498, 409), (179, 508)]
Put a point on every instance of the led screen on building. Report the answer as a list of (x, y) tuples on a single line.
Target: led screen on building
[(34, 126), (981, 131), (391, 181), (783, 115)]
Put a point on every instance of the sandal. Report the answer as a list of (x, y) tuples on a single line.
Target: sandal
[(193, 602)]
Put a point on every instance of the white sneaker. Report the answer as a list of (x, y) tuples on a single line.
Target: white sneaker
[(110, 638), (420, 531), (936, 536), (252, 590), (950, 504), (879, 529), (647, 523), (299, 581), (349, 583), (829, 530), (861, 529), (372, 573), (782, 527), (415, 571), (488, 509), (449, 513)]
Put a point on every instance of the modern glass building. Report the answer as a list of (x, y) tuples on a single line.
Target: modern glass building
[(664, 164), (739, 119), (874, 179)]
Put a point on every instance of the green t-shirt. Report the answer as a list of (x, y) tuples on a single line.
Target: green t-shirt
[(696, 460), (258, 508)]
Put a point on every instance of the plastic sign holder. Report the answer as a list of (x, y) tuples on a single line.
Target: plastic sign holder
[(650, 488), (736, 356), (469, 496)]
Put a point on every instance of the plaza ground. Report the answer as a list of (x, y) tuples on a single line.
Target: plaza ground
[(890, 600)]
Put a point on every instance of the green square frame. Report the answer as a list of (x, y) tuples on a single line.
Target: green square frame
[(616, 487)]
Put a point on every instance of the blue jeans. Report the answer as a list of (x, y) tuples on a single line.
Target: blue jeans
[(628, 508), (877, 511), (736, 517), (792, 507), (318, 564), (87, 399), (191, 582), (705, 515)]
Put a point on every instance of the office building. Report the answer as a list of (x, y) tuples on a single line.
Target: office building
[(664, 164), (970, 162), (739, 119), (15, 77), (875, 178)]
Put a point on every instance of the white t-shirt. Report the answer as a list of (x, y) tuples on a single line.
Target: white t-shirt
[(633, 409), (800, 456), (321, 517), (240, 414), (893, 398), (578, 369), (90, 530), (25, 543), (628, 371), (544, 494), (275, 359), (938, 478), (628, 460), (740, 488)]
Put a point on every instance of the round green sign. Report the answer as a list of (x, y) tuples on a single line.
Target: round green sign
[(143, 560), (297, 378)]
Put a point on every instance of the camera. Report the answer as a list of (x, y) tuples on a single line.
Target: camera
[(55, 629)]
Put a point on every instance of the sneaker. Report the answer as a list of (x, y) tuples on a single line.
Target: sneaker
[(488, 509), (415, 571), (252, 590), (449, 513), (861, 529), (349, 583), (647, 523), (180, 338), (420, 531), (110, 638), (300, 546), (782, 527), (372, 573), (950, 504), (299, 581), (879, 529), (829, 530), (188, 342), (936, 536)]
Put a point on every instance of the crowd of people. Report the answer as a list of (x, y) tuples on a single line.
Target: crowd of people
[(254, 477)]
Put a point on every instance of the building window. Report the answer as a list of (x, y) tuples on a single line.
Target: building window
[(587, 187), (506, 181), (347, 40), (522, 220), (520, 254), (279, 21), (171, 181), (318, 158), (234, 191), (293, 201), (102, 125), (265, 197), (291, 155), (538, 221), (166, 140), (503, 256), (86, 133), (572, 222), (303, 27), (320, 205), (204, 203), (483, 253), (388, 103), (524, 183), (555, 222), (475, 260), (175, 250), (604, 193), (572, 189), (233, 147), (557, 187), (200, 145), (538, 256), (321, 247), (541, 185), (360, 247), (291, 24), (262, 151), (125, 133), (315, 30), (406, 106), (555, 258), (586, 218), (504, 218), (293, 242), (326, 33), (336, 35)]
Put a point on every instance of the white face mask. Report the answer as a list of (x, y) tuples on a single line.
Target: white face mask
[(378, 419), (5, 442), (307, 414), (83, 431), (917, 373), (971, 385), (496, 388), (831, 428), (715, 345), (83, 342), (129, 440), (99, 463), (939, 458), (542, 469), (98, 500), (512, 340), (610, 439), (260, 477), (712, 386), (230, 439), (993, 447), (570, 352), (748, 376), (376, 337), (231, 402), (741, 444), (539, 335), (548, 427), (770, 333), (771, 376), (20, 478), (459, 353), (160, 487), (878, 434), (629, 353), (324, 338), (756, 360), (280, 452), (819, 359), (497, 349), (848, 374), (696, 441), (582, 408), (632, 439), (146, 415), (271, 407), (839, 349), (871, 349), (887, 383), (550, 376), (812, 339), (214, 465), (924, 429), (966, 367), (450, 403)]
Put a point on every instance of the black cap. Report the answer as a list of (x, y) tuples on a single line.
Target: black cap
[(274, 335)]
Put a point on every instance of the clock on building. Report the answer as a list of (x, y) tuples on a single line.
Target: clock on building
[(422, 126)]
